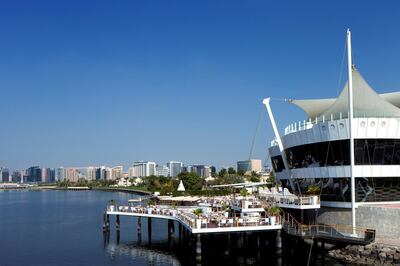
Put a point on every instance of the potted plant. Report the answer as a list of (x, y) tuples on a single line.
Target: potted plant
[(198, 212), (150, 204), (226, 209), (313, 190), (273, 211), (111, 205)]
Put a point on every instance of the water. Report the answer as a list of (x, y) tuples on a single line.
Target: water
[(65, 228)]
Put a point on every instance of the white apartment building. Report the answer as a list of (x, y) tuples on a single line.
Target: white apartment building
[(175, 168), (142, 168)]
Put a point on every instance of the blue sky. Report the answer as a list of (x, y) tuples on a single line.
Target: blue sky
[(111, 82)]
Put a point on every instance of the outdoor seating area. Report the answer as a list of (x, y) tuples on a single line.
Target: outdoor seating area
[(207, 219)]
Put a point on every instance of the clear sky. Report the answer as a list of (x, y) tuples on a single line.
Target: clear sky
[(112, 82)]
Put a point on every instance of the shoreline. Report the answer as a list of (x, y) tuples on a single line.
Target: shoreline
[(371, 254), (106, 189)]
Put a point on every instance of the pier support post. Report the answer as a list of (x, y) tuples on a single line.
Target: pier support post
[(278, 239), (198, 249), (108, 222), (104, 222), (139, 225), (228, 248), (117, 223), (149, 229)]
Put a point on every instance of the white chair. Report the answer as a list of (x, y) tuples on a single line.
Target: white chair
[(222, 222), (230, 222), (204, 222), (240, 221)]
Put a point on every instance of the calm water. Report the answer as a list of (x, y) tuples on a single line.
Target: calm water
[(65, 228)]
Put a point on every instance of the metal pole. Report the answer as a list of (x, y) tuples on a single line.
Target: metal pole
[(352, 178), (278, 139)]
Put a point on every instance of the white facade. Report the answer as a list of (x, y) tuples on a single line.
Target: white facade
[(162, 170), (91, 173), (142, 168), (175, 168)]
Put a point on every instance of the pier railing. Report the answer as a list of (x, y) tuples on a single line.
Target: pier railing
[(293, 201), (332, 231), (194, 222)]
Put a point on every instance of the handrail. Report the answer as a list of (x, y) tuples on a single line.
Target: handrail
[(189, 221), (292, 226)]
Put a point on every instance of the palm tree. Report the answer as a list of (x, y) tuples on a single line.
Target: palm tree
[(198, 211)]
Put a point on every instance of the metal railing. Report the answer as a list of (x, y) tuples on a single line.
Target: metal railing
[(333, 231), (291, 199), (191, 220)]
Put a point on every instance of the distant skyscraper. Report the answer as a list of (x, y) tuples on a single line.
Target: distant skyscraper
[(5, 175), (91, 173), (48, 175), (201, 170), (249, 166), (143, 168), (34, 174), (162, 170), (213, 170), (117, 172), (16, 176), (72, 174), (175, 168), (61, 174)]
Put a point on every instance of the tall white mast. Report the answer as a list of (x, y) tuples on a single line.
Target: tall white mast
[(352, 178), (280, 145)]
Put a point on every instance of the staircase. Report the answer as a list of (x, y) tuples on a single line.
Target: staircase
[(332, 233)]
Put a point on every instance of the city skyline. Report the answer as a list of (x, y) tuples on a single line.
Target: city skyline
[(101, 83)]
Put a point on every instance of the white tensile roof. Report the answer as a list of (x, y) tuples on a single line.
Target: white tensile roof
[(366, 102), (181, 187)]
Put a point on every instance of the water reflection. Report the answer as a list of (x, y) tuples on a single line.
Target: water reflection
[(151, 255)]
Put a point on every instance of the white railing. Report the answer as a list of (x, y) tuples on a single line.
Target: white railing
[(215, 220)]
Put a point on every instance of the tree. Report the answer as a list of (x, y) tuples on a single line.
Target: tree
[(241, 172), (272, 177), (274, 210), (229, 180), (231, 171), (244, 192), (254, 179), (222, 172), (191, 181)]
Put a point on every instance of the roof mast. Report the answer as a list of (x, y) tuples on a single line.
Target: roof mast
[(351, 137)]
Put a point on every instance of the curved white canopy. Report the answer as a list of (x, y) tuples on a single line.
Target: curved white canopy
[(367, 103)]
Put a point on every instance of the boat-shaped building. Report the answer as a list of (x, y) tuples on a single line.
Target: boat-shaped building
[(317, 150)]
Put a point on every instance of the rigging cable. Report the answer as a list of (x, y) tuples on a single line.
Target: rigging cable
[(341, 69), (255, 134)]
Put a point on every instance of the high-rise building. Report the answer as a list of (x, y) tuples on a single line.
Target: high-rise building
[(61, 174), (34, 174), (52, 175), (5, 174), (175, 168), (143, 168), (213, 170), (162, 170), (201, 170), (48, 175), (72, 174), (16, 176), (91, 173), (249, 166), (117, 172)]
